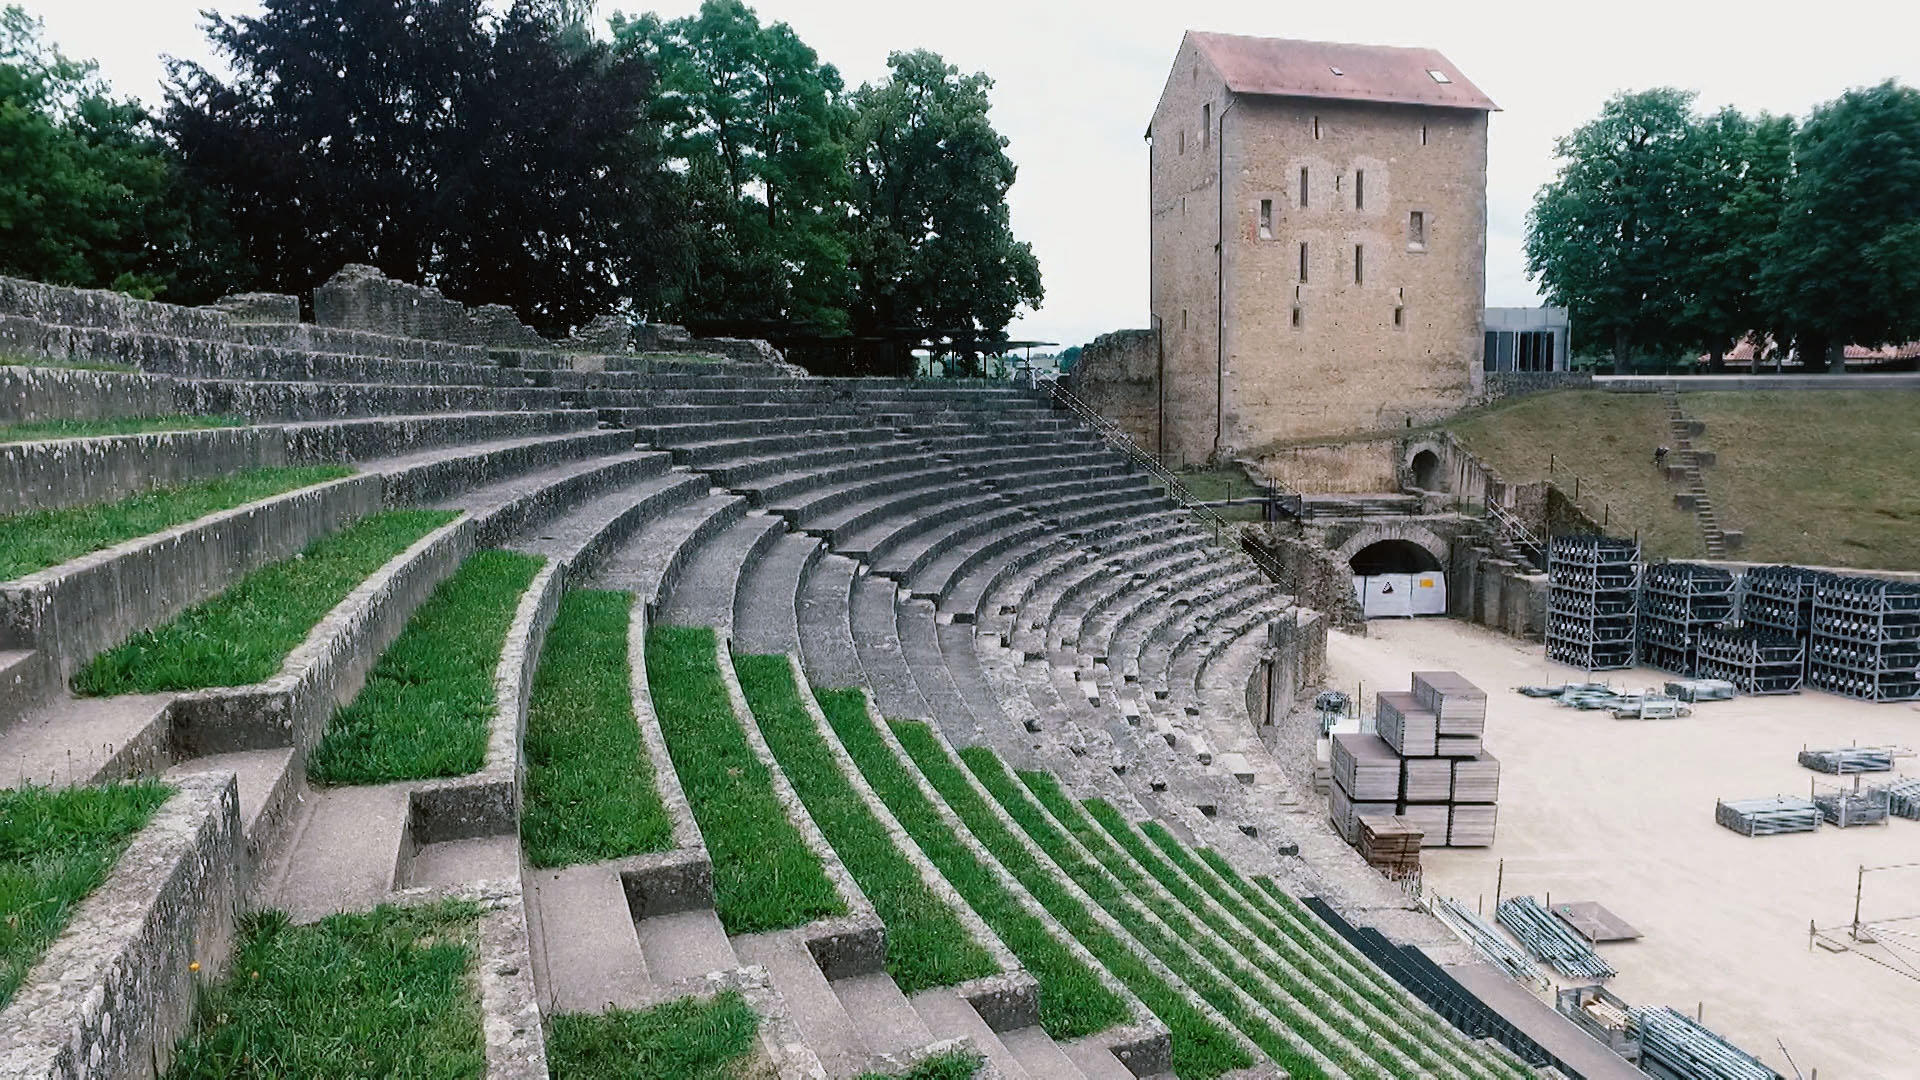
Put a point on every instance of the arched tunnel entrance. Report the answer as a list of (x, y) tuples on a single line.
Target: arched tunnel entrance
[(1398, 578), (1426, 471)]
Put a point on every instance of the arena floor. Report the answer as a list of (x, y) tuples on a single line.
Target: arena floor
[(1621, 812)]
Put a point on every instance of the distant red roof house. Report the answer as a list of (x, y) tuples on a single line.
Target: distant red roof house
[(1281, 67)]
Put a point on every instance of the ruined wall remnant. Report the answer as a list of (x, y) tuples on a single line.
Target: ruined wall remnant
[(360, 297), (1117, 375)]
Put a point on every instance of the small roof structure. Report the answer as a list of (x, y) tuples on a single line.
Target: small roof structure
[(1284, 67)]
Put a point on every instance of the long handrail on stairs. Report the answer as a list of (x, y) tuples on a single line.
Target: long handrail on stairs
[(1177, 491), (1517, 534)]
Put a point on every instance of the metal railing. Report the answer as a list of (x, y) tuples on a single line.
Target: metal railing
[(1516, 533), (1176, 490)]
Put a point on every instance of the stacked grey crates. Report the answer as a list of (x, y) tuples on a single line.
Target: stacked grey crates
[(1679, 602), (1593, 585), (1866, 638), (1425, 763)]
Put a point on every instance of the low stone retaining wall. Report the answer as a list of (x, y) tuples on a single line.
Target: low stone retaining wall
[(1688, 384)]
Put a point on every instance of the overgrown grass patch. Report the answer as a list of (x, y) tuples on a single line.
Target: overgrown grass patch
[(1214, 984), (927, 945), (590, 792), (953, 1066), (685, 1039), (244, 634), (386, 993), (1073, 1000), (42, 538), (32, 430), (1201, 1048), (764, 875), (56, 846), (68, 363), (428, 704)]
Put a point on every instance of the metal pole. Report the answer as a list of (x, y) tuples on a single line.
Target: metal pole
[(1499, 882), (1859, 880)]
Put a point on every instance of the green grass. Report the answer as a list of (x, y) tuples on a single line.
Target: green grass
[(590, 791), (953, 1066), (1073, 1000), (764, 875), (926, 944), (1201, 1048), (1291, 968), (1822, 478), (42, 538), (385, 993), (1211, 485), (56, 846), (129, 425), (68, 363), (1165, 944), (244, 634), (686, 1039), (1607, 439), (427, 707)]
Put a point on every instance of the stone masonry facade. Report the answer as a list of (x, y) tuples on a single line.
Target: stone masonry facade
[(1349, 281)]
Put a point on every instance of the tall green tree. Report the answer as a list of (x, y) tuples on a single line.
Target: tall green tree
[(759, 124), (1845, 265), (88, 193), (1737, 198), (1607, 236), (504, 158), (933, 242)]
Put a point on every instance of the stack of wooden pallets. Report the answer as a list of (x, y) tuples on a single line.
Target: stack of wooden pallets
[(1427, 765), (1390, 844), (1366, 780)]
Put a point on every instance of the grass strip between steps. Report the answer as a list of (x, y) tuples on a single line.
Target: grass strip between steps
[(389, 992), (1292, 971), (1286, 936), (244, 634), (38, 539), (949, 1066), (34, 430), (1201, 1048), (765, 877), (67, 363), (1205, 978), (590, 792), (56, 846), (684, 1039), (927, 945), (428, 704), (1073, 1000)]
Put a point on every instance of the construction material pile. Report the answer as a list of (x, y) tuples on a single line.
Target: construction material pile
[(1680, 1047), (1425, 764), (1490, 942), (1768, 817), (1593, 587), (1390, 844), (1757, 659), (1866, 639), (1698, 690), (1678, 601), (1903, 798), (1848, 760), (1550, 939), (1849, 807)]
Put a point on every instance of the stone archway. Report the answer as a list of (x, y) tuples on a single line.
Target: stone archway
[(1421, 465), (1381, 532)]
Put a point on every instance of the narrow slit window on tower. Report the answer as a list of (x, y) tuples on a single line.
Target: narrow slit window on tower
[(1183, 318), (1183, 140), (1399, 318), (1359, 189), (1423, 134), (1206, 124), (1416, 229), (1316, 127), (1359, 264), (1296, 316), (1266, 219), (1303, 185), (1303, 260)]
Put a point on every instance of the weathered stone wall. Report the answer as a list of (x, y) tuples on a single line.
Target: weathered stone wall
[(1493, 592), (259, 307), (1117, 375), (360, 297), (1333, 468), (1349, 365), (1507, 384)]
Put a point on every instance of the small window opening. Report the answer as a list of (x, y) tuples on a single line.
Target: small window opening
[(1359, 264), (1183, 204), (1206, 125), (1423, 134), (1316, 127), (1438, 75), (1417, 229), (1335, 70), (1303, 260), (1303, 185), (1296, 316), (1183, 140), (1266, 219), (1359, 189), (1183, 318), (1399, 318)]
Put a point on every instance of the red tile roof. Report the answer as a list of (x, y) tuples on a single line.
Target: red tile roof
[(1285, 68)]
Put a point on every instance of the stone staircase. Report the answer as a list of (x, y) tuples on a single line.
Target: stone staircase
[(1688, 471)]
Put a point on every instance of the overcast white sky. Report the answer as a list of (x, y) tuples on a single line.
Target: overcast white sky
[(1077, 81)]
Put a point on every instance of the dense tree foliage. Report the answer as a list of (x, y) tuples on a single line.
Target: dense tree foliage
[(88, 194), (1665, 230)]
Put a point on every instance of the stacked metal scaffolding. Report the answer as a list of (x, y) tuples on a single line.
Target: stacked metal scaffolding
[(1593, 595), (1758, 660), (1847, 807), (1780, 598), (1866, 639), (1678, 601), (1903, 798), (1768, 817), (1849, 759), (1545, 936), (1491, 943), (1672, 1045)]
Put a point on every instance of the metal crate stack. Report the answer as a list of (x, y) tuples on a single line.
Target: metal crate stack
[(1847, 807), (1903, 798), (1674, 1046), (1848, 760), (1768, 817), (1866, 639), (1593, 594), (1677, 602), (1780, 598), (1758, 660)]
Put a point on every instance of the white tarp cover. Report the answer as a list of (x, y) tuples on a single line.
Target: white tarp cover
[(1385, 596)]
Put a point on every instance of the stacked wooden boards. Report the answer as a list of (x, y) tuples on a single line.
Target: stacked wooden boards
[(1426, 764), (1390, 844)]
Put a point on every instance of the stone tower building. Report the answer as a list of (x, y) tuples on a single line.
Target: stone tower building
[(1319, 225)]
